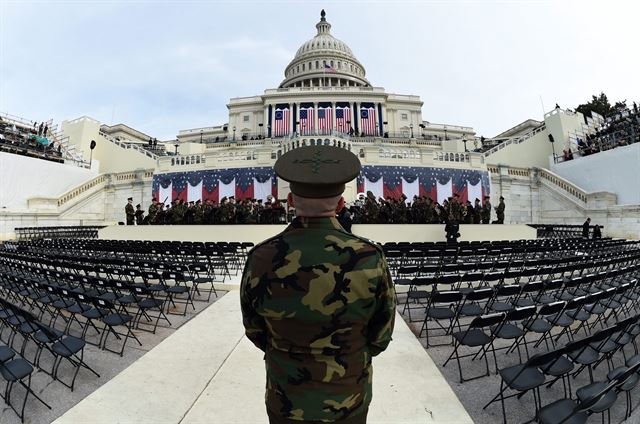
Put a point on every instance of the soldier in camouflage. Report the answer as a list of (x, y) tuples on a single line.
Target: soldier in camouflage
[(317, 300)]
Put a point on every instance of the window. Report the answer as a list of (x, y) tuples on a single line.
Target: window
[(297, 69), (404, 116), (317, 65), (245, 118), (303, 67)]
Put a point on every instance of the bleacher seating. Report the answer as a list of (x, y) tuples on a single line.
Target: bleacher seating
[(18, 138), (620, 129), (566, 306)]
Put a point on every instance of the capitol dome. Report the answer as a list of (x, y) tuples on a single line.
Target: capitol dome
[(324, 61)]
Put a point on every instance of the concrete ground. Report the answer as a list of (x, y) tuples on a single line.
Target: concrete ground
[(476, 393), (209, 373), (105, 363)]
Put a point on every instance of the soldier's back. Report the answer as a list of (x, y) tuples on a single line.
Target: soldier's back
[(317, 288)]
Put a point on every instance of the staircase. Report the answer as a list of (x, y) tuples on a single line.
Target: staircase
[(515, 140), (130, 145)]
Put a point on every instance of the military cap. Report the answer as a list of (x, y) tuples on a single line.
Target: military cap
[(130, 198), (138, 205), (501, 198), (318, 171)]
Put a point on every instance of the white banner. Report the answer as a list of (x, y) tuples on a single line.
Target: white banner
[(226, 190), (411, 189), (376, 188), (444, 191), (261, 190), (165, 194), (474, 192), (194, 193)]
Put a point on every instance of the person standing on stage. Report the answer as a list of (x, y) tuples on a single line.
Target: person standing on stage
[(500, 212), (585, 228), (129, 211), (486, 211)]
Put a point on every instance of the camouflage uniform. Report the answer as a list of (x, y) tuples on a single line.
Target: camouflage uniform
[(320, 303), (486, 212), (500, 212)]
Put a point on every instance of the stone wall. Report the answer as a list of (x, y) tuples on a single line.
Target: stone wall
[(534, 195), (96, 202)]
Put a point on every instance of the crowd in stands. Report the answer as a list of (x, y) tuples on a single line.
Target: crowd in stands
[(29, 141), (620, 129)]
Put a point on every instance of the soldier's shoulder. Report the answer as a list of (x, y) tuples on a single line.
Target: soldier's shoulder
[(270, 242), (369, 243)]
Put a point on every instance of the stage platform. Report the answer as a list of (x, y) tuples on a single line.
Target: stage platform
[(256, 233), (207, 372)]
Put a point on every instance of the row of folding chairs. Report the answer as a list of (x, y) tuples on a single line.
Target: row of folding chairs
[(19, 329), (580, 302), (196, 275), (100, 314), (517, 287), (567, 361)]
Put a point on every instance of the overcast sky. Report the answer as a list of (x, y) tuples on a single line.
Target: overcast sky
[(165, 66)]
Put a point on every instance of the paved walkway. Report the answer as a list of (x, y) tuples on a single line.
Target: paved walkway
[(208, 372)]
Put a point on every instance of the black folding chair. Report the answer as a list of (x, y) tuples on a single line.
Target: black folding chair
[(522, 378), (113, 319), (475, 337)]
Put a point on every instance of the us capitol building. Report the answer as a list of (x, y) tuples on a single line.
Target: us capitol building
[(325, 98)]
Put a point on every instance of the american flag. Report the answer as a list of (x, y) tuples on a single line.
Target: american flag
[(325, 120), (368, 120), (329, 68), (429, 179), (244, 178), (306, 121), (282, 119), (343, 114)]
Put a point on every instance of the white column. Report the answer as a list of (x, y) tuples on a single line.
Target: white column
[(265, 121), (315, 117), (333, 116)]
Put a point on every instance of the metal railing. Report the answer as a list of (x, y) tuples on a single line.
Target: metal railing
[(515, 140), (130, 145), (74, 231)]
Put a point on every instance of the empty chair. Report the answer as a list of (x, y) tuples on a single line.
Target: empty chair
[(475, 336), (441, 306)]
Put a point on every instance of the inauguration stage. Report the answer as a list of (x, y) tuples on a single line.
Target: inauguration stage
[(381, 233)]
